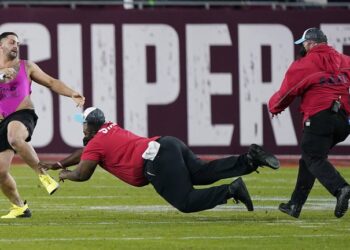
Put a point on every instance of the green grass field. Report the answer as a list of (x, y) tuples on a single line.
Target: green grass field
[(105, 213)]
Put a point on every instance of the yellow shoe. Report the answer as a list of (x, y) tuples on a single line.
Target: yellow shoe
[(18, 212), (49, 183)]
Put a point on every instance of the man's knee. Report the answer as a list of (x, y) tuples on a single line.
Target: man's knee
[(314, 162), (184, 207), (15, 141), (17, 133)]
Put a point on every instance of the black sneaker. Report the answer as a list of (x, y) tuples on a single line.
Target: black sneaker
[(342, 202), (258, 157), (239, 192), (290, 209)]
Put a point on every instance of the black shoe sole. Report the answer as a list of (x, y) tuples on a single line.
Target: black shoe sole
[(269, 159), (53, 191), (248, 203), (26, 214), (272, 162), (342, 208), (288, 212)]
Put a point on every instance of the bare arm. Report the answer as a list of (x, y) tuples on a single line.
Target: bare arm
[(39, 76), (83, 172), (70, 160)]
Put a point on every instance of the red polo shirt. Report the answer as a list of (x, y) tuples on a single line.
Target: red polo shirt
[(119, 151)]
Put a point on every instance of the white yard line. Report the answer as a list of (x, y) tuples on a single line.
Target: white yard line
[(250, 237), (165, 208), (162, 208), (312, 204), (299, 223)]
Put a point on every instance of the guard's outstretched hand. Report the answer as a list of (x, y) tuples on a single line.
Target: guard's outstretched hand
[(63, 174)]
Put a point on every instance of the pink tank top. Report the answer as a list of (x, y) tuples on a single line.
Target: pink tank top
[(13, 92)]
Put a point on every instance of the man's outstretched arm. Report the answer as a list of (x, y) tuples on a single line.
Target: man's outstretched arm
[(72, 159), (83, 172), (39, 76)]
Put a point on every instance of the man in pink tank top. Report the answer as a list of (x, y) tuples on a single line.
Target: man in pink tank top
[(18, 118)]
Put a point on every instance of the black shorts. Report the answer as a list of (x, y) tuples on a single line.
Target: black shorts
[(25, 116)]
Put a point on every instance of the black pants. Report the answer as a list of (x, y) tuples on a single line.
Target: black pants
[(325, 130), (176, 169)]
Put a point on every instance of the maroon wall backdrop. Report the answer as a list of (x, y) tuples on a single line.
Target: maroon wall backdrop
[(171, 119)]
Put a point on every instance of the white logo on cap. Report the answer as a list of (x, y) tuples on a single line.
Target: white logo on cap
[(88, 111)]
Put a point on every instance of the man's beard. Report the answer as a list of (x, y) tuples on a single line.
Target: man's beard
[(12, 55), (302, 52), (86, 139)]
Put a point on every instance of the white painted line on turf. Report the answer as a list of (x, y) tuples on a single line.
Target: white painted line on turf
[(250, 237), (164, 208), (299, 223)]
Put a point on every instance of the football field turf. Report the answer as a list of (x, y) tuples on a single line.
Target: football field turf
[(105, 213)]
